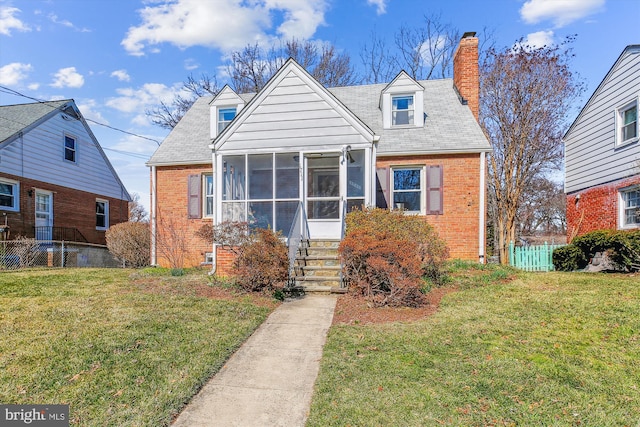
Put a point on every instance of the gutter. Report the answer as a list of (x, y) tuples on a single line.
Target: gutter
[(482, 208), (154, 257), (214, 258)]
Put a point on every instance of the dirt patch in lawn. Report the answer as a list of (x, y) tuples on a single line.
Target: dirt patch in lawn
[(352, 309), (196, 286)]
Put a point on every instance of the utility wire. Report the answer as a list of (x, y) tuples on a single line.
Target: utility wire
[(10, 91)]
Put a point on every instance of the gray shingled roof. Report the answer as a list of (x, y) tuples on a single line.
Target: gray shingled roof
[(20, 117), (449, 125)]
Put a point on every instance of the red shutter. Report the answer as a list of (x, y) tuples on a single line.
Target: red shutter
[(194, 202), (434, 190), (382, 188)]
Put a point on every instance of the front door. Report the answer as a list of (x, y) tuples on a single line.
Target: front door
[(44, 215), (322, 195)]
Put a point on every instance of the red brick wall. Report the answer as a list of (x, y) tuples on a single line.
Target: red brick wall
[(459, 223), (466, 76), (71, 209), (596, 209), (171, 212)]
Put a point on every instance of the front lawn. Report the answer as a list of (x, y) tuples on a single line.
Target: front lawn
[(543, 349), (121, 347)]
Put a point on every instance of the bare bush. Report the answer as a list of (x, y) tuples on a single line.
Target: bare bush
[(130, 242)]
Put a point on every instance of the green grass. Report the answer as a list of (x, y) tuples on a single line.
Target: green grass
[(122, 349), (555, 349)]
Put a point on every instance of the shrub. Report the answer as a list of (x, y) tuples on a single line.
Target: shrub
[(569, 258), (386, 254), (130, 242), (262, 263), (622, 246)]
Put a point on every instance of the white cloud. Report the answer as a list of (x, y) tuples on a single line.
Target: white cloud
[(68, 77), (191, 64), (121, 75), (226, 24), (539, 39), (560, 12), (65, 23), (381, 6), (88, 109), (146, 97), (9, 22), (33, 86), (14, 73)]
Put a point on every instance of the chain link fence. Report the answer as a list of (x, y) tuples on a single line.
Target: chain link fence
[(25, 253)]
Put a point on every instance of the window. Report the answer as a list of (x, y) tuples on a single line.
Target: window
[(416, 189), (209, 204), (627, 123), (208, 258), (9, 195), (102, 214), (402, 110), (630, 207), (225, 116), (70, 149)]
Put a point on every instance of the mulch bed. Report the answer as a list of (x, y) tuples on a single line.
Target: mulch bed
[(352, 309)]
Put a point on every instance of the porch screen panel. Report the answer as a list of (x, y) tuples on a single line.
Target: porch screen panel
[(233, 171), (285, 214), (261, 215), (355, 180), (260, 176), (287, 176)]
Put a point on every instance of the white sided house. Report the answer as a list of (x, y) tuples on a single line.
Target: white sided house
[(56, 182), (297, 157), (602, 148)]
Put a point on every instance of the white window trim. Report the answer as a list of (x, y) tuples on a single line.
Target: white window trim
[(206, 196), (619, 123), (218, 110), (75, 148), (16, 195), (423, 189), (622, 208), (106, 214), (404, 95)]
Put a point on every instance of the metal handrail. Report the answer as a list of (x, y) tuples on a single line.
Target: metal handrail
[(68, 234), (297, 234)]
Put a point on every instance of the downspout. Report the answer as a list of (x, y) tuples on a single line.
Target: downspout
[(482, 203), (214, 258), (154, 258)]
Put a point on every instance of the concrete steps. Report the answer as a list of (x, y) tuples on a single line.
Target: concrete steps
[(317, 267)]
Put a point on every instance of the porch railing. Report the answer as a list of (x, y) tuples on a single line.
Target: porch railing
[(297, 234), (67, 234)]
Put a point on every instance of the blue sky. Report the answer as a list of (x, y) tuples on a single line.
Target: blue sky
[(118, 58)]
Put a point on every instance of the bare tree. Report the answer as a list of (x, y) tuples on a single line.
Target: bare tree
[(542, 208), (168, 115), (249, 70), (172, 240), (137, 212), (424, 52), (525, 97)]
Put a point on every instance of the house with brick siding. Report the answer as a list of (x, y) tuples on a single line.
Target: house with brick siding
[(602, 173), (297, 150), (56, 183)]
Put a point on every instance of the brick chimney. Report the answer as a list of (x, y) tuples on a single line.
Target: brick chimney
[(466, 77)]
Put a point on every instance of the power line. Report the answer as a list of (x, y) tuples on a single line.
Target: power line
[(10, 91)]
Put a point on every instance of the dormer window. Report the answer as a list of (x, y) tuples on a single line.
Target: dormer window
[(402, 112), (225, 116)]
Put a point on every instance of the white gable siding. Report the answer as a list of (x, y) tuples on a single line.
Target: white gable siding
[(293, 115), (39, 155), (591, 155)]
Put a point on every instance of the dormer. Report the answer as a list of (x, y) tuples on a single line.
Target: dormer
[(402, 103), (223, 109)]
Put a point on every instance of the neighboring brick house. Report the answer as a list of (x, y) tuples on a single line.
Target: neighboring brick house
[(602, 171), (56, 183), (299, 147)]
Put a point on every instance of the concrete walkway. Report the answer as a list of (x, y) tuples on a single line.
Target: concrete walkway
[(269, 380)]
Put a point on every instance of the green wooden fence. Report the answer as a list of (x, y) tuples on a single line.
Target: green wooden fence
[(532, 258)]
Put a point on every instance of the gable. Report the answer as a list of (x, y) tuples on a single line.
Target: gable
[(293, 110), (37, 152)]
